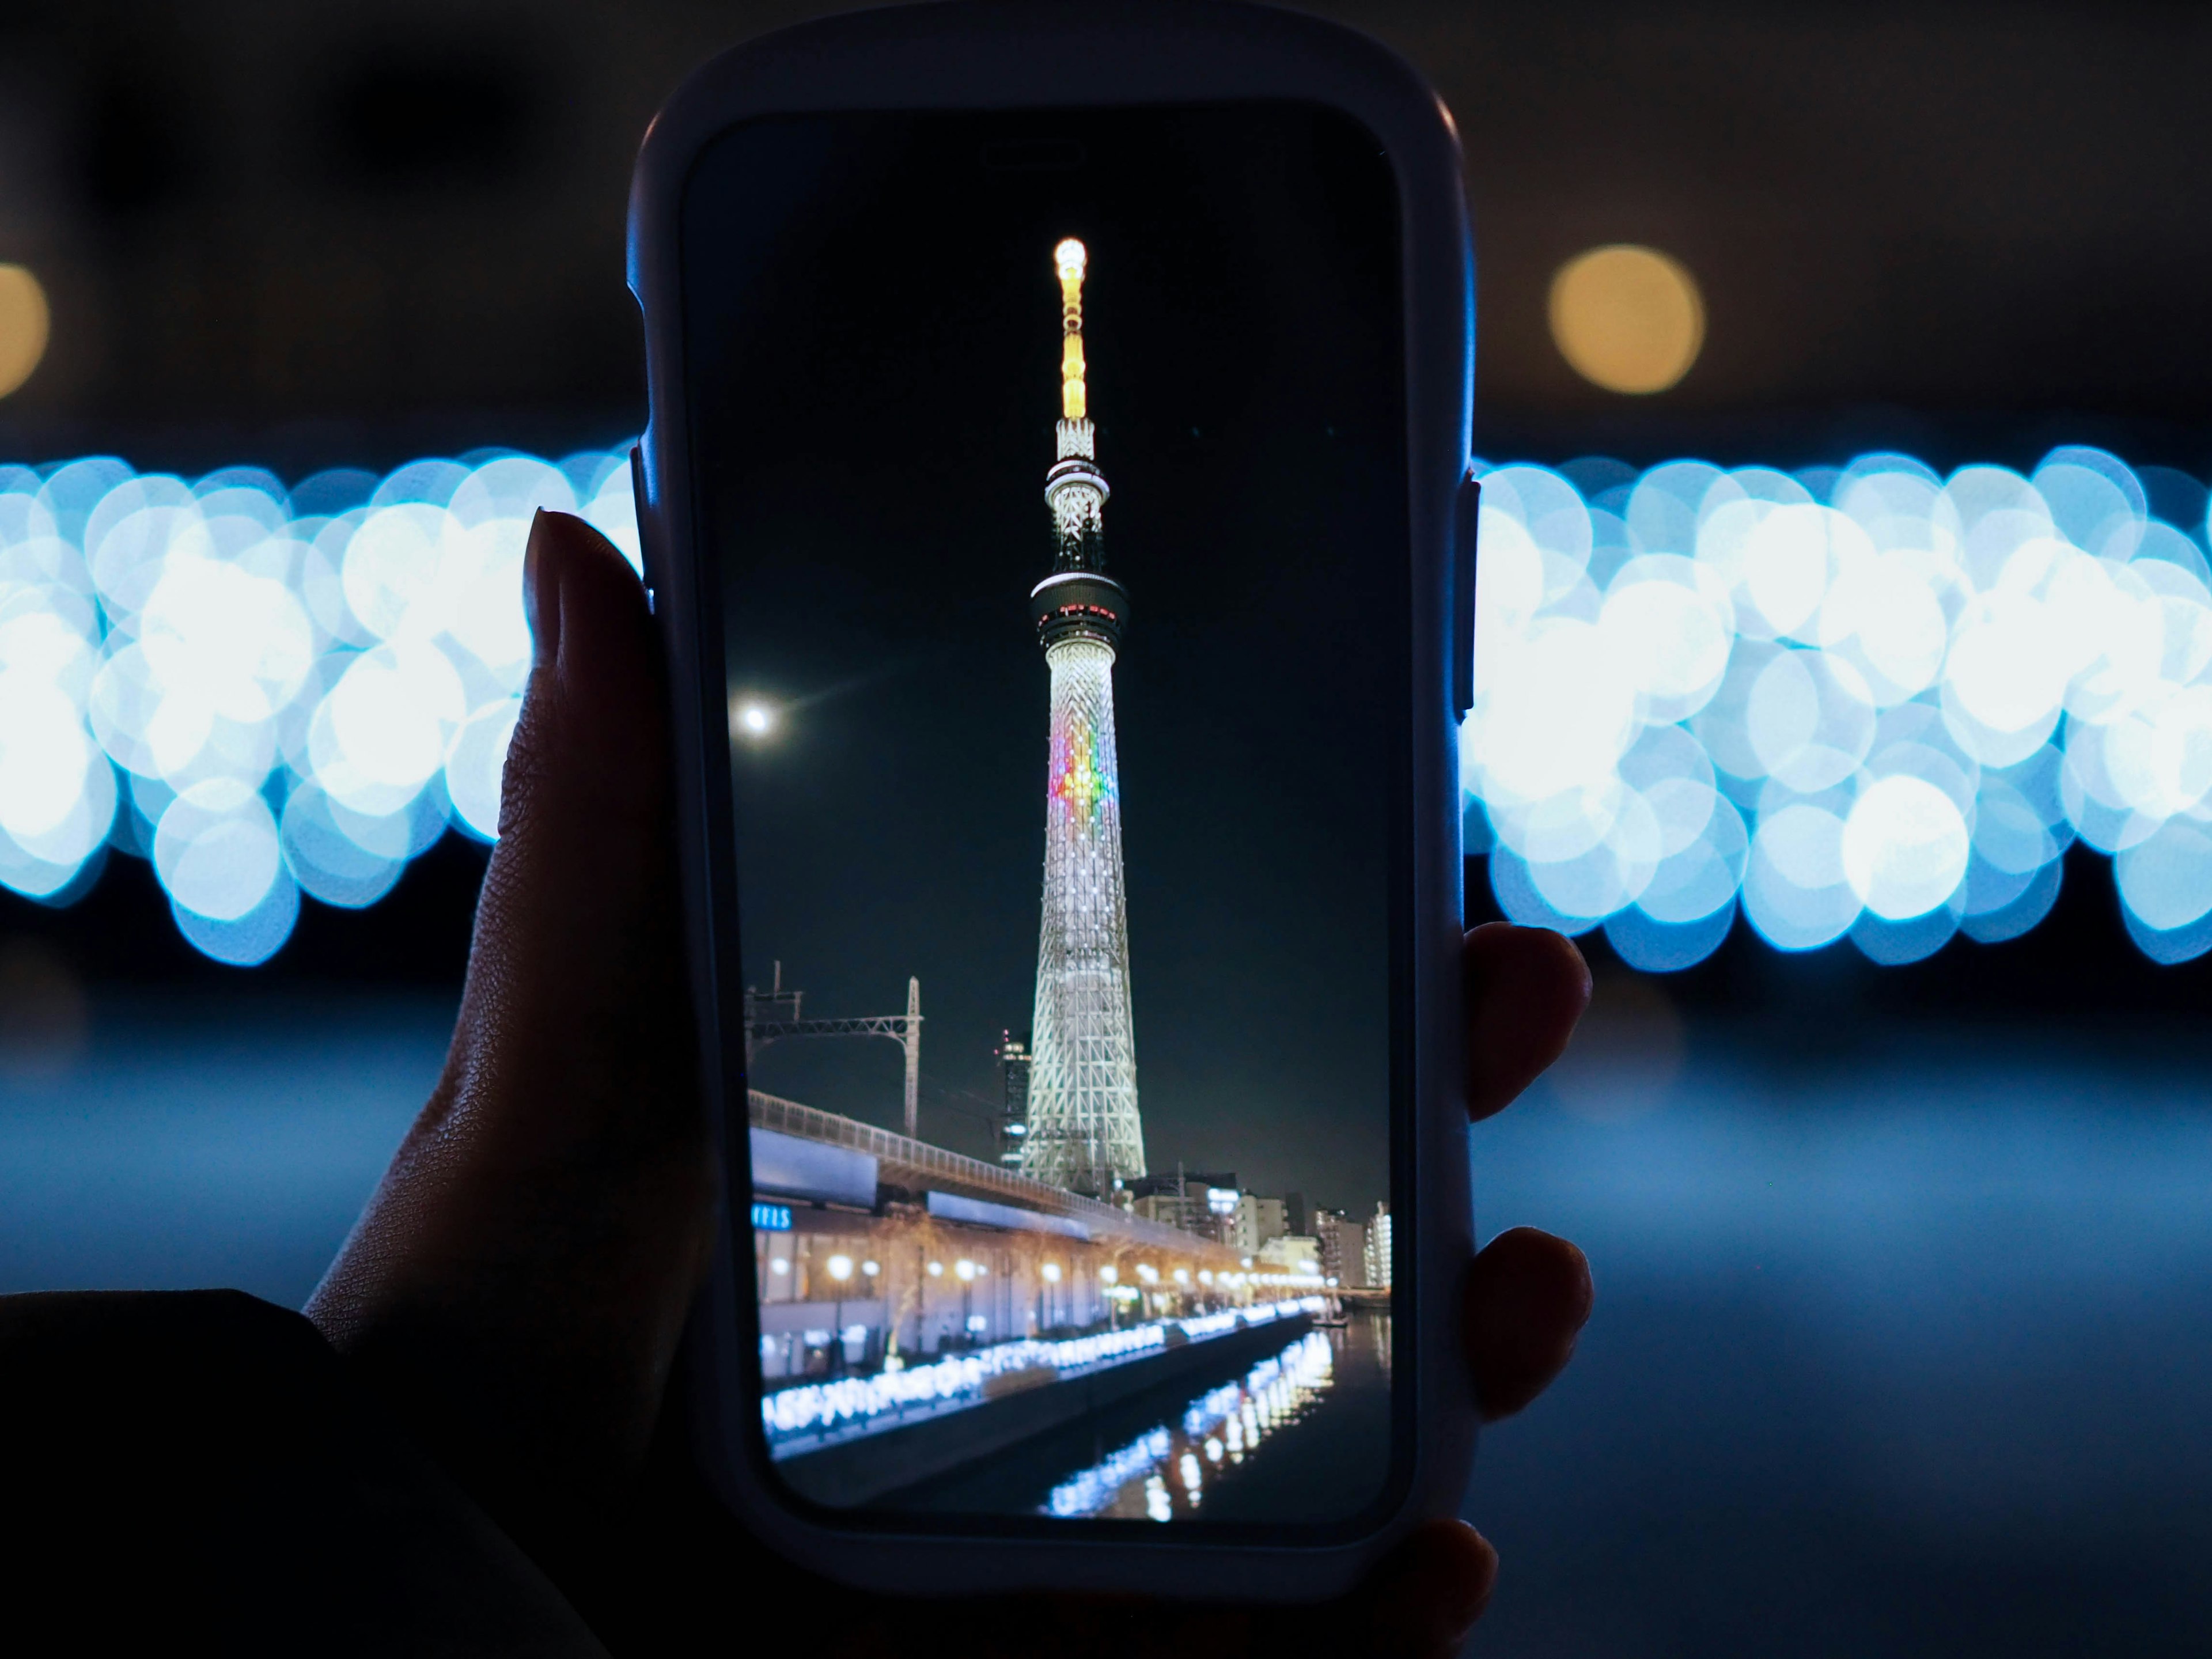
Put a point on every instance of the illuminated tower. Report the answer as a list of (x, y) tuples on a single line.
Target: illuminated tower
[(1084, 1131)]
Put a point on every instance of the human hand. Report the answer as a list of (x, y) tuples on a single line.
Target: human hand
[(517, 1286)]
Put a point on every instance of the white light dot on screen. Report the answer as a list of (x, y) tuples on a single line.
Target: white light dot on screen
[(749, 718), (1904, 847), (25, 323), (1627, 319)]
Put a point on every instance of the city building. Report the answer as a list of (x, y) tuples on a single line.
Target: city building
[(1292, 1254), (1174, 1209), (1255, 1221), (1343, 1248), (1378, 1248), (1296, 1213), (1191, 1200), (1084, 1131), (1014, 1060)]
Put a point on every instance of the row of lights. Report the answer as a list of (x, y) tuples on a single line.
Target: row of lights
[(811, 1407), (840, 1267), (265, 691), (1868, 701)]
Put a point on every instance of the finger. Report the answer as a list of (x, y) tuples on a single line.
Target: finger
[(516, 1287), (1433, 1588), (1525, 988), (1527, 1297)]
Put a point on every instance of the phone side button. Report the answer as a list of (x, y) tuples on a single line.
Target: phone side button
[(1467, 512), (637, 502)]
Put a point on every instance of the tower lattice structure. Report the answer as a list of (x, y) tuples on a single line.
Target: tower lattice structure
[(1084, 1130)]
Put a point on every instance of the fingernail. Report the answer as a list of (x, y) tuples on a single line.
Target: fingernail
[(540, 595)]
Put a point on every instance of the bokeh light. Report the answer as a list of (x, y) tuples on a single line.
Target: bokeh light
[(24, 323), (265, 692), (1627, 319), (1867, 704), (1870, 703)]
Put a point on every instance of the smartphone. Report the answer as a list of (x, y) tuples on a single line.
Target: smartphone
[(1055, 498)]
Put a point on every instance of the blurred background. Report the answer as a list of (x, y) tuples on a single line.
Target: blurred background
[(1887, 1133)]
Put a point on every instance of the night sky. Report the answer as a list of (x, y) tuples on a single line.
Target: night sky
[(873, 326)]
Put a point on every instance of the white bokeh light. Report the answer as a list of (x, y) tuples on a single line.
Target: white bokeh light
[(1890, 700), (1904, 847), (267, 693), (1872, 702)]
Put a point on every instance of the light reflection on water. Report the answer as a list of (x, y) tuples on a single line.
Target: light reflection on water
[(1161, 1475)]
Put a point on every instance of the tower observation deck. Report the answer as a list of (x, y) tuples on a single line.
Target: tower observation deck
[(1084, 1130)]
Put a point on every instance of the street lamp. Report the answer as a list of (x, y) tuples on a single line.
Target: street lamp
[(840, 1269), (966, 1270)]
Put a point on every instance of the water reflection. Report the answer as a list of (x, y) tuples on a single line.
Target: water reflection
[(1161, 1474)]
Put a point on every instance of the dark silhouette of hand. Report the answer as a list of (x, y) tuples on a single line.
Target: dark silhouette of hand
[(517, 1287)]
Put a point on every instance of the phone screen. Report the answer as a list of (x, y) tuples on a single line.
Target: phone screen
[(1051, 475)]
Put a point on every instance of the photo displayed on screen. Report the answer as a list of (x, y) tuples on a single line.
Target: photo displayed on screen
[(1053, 477)]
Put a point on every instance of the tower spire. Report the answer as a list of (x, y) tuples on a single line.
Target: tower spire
[(1075, 489), (1070, 257), (1084, 1130)]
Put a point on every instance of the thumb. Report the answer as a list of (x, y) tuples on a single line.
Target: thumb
[(516, 1286)]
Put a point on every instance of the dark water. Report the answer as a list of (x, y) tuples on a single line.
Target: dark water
[(1302, 1435), (1904, 1352)]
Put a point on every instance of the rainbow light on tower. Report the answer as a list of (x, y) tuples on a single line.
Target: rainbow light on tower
[(1085, 1133)]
